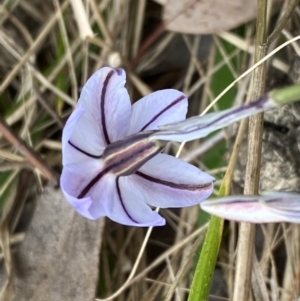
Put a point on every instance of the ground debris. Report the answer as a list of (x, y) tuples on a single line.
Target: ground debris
[(59, 257)]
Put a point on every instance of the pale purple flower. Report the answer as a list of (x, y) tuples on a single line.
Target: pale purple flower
[(270, 207), (110, 165), (112, 161)]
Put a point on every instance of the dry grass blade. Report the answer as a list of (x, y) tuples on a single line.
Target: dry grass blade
[(201, 231), (32, 49), (101, 22), (67, 46), (139, 25), (185, 265), (7, 292), (28, 152), (14, 166), (258, 285)]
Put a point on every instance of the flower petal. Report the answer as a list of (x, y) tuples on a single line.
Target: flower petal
[(105, 197), (157, 108), (165, 181), (120, 206), (115, 103), (74, 178), (268, 208), (101, 116), (72, 153), (200, 126)]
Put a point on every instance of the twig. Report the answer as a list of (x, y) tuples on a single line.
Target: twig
[(28, 152), (247, 231)]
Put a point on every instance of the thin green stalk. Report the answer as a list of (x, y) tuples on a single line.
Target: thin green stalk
[(207, 261), (206, 264)]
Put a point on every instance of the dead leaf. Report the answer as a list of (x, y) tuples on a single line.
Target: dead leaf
[(59, 257), (207, 16)]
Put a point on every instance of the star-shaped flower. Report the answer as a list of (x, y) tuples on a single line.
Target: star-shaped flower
[(111, 167)]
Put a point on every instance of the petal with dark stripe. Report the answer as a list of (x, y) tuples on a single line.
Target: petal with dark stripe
[(158, 108), (75, 178), (165, 181), (80, 148), (101, 116), (109, 195), (115, 104), (271, 207), (200, 126), (95, 193)]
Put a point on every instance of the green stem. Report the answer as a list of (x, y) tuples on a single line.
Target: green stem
[(286, 95), (207, 261), (208, 257), (206, 264)]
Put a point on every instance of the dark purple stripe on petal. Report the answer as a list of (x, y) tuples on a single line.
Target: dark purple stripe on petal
[(172, 104), (92, 183), (260, 103), (109, 168), (84, 152), (128, 155), (121, 200), (255, 104), (183, 128), (102, 106), (127, 141), (175, 185)]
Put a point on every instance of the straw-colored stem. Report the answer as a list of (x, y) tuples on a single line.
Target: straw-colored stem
[(247, 232)]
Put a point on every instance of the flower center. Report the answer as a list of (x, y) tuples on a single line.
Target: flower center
[(124, 157)]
